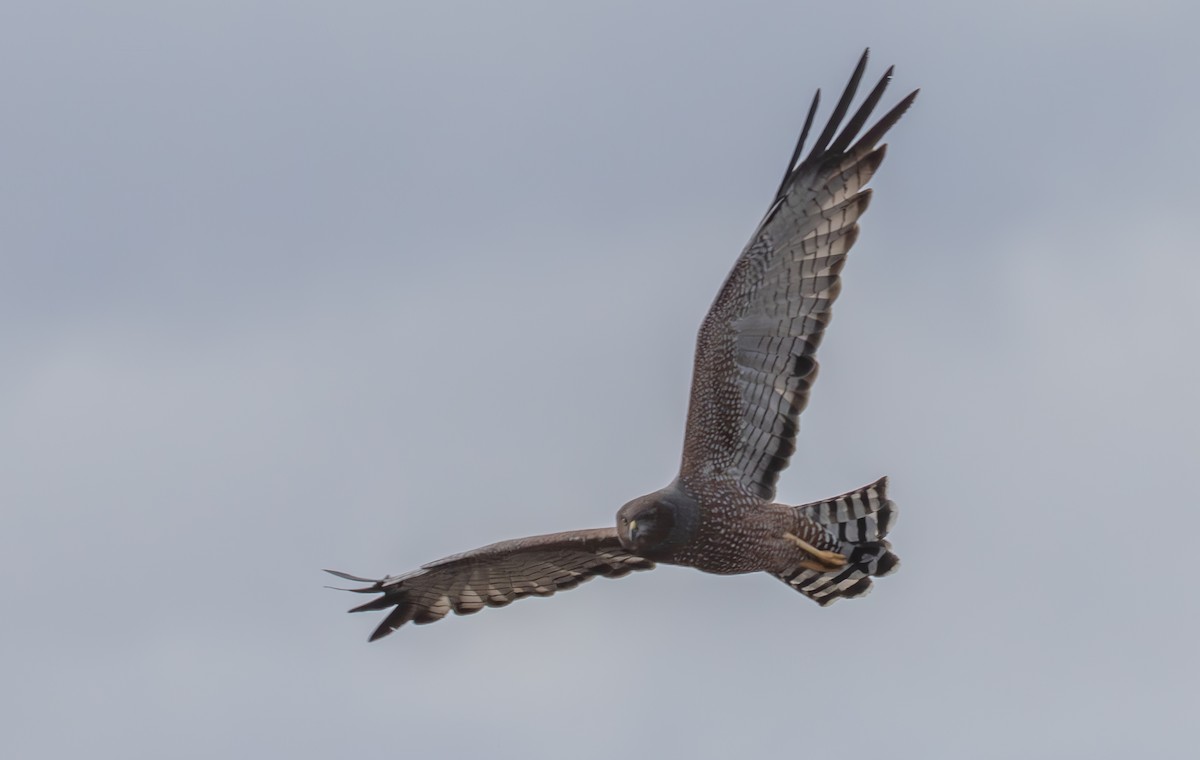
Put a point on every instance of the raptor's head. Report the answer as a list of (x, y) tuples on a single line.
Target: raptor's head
[(657, 524)]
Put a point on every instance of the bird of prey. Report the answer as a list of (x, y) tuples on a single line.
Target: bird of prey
[(754, 366)]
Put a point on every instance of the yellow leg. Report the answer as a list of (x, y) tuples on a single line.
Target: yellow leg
[(822, 561)]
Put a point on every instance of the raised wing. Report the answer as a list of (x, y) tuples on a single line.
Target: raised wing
[(755, 353), (496, 575)]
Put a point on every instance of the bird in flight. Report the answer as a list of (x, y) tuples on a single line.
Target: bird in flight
[(755, 365)]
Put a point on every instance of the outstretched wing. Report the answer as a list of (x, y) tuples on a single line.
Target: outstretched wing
[(496, 575), (755, 353)]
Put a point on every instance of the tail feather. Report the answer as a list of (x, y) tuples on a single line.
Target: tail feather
[(855, 524)]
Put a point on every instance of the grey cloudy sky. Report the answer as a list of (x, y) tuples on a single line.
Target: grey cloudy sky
[(296, 285)]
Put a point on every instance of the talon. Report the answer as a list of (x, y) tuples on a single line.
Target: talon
[(822, 561)]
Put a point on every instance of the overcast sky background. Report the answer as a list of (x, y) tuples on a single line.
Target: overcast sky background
[(295, 285)]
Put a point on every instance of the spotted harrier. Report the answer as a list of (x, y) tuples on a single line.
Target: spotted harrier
[(754, 366)]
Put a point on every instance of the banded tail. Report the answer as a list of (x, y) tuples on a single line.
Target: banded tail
[(855, 524)]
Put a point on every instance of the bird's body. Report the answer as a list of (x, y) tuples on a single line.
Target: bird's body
[(736, 535), (755, 365), (728, 532), (720, 530)]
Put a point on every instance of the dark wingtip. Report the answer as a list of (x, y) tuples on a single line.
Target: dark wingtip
[(798, 151), (859, 119), (373, 588), (382, 603), (396, 618), (876, 133), (843, 105), (835, 139), (349, 577)]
